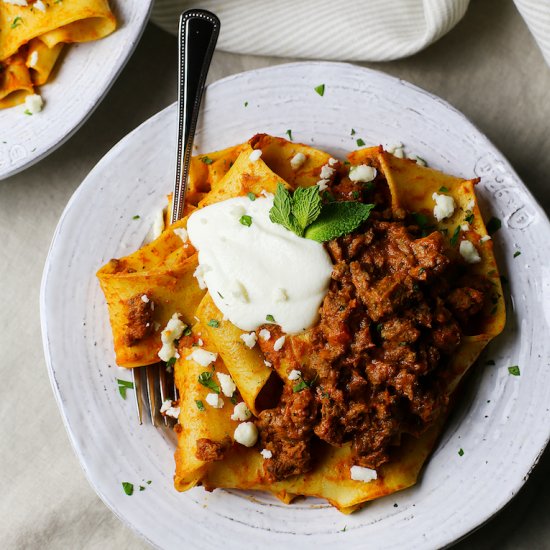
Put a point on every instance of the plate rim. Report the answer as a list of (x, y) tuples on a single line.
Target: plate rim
[(483, 519), (87, 112)]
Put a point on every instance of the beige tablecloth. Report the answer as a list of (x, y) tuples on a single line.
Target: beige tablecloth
[(488, 67)]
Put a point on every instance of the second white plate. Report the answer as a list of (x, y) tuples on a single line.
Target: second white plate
[(82, 78), (502, 423)]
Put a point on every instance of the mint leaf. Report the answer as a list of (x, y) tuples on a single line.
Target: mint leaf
[(205, 378), (306, 206), (281, 212), (337, 219)]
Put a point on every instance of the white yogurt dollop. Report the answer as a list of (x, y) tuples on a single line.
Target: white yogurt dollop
[(248, 266)]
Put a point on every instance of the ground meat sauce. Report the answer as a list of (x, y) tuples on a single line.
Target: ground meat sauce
[(211, 451), (140, 320), (396, 309)]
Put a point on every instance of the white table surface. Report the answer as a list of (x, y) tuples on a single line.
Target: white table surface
[(488, 67)]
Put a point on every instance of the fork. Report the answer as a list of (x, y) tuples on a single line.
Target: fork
[(197, 37)]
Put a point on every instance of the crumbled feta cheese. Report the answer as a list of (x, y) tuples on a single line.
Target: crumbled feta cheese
[(397, 150), (226, 383), (465, 227), (181, 232), (200, 342), (419, 160), (297, 160), (255, 155), (267, 363), (241, 412), (202, 357), (484, 239), (471, 204), (34, 103), (294, 375), (249, 339), (266, 453), (280, 295), (199, 274), (444, 206), (246, 434), (362, 173), (469, 253), (39, 5), (239, 292), (168, 409), (265, 335), (173, 330), (358, 473), (279, 343), (322, 184), (326, 172), (158, 224), (145, 298), (33, 59), (332, 162), (214, 400)]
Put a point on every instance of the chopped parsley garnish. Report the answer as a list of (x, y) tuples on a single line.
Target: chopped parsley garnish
[(205, 378), (460, 452), (355, 194), (213, 323), (352, 132), (141, 488), (454, 238), (289, 134), (200, 404), (18, 20), (233, 399), (124, 385), (251, 196), (246, 103), (170, 363), (360, 143), (136, 217), (303, 384), (493, 225), (443, 189), (207, 160), (469, 218), (516, 253), (514, 370), (246, 220), (320, 89), (270, 318), (187, 331), (27, 112), (128, 488), (149, 482)]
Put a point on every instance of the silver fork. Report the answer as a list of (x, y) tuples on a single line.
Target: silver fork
[(198, 34)]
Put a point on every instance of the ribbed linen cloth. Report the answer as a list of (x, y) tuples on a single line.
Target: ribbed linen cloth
[(355, 30)]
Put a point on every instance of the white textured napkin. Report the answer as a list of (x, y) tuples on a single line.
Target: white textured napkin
[(360, 30)]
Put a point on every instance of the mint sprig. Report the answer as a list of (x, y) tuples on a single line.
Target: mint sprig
[(304, 214), (337, 219)]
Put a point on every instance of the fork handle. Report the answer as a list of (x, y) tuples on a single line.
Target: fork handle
[(198, 34)]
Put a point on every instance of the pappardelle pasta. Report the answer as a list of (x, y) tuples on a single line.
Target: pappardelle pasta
[(318, 314), (33, 35)]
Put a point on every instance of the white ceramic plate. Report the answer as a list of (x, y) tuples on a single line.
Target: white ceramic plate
[(82, 78), (502, 424)]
